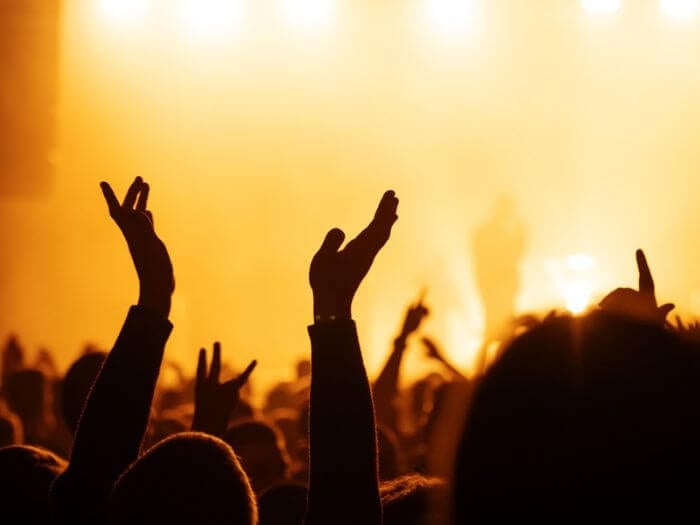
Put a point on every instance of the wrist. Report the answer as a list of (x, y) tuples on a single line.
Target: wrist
[(157, 302), (330, 312), (400, 342)]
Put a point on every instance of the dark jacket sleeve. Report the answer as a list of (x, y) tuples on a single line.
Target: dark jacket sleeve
[(114, 419), (343, 484)]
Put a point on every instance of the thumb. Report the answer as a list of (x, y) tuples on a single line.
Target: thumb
[(665, 309), (333, 241)]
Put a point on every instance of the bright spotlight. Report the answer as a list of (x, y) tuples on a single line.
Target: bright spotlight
[(308, 14), (450, 17), (602, 6), (680, 8), (575, 276), (212, 19), (124, 11)]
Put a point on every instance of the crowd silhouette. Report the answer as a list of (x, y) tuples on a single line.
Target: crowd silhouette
[(590, 418)]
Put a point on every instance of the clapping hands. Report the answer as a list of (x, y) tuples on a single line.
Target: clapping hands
[(336, 274), (150, 256)]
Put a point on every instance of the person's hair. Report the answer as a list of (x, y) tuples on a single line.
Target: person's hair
[(414, 500), (26, 475), (597, 414), (189, 478), (283, 504), (77, 385), (262, 451)]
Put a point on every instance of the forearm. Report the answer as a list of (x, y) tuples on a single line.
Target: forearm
[(386, 386), (116, 412), (343, 485)]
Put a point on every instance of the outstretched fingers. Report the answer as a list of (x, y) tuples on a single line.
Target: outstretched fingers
[(646, 281), (142, 202), (202, 367), (386, 211), (111, 199), (215, 370), (245, 375), (132, 193)]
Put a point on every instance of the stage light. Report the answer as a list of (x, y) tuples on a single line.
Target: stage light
[(576, 278), (212, 19), (124, 11), (602, 6), (450, 17), (680, 8), (308, 14)]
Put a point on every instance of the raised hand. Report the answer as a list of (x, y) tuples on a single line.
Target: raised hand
[(336, 274), (414, 317), (639, 304), (12, 357), (432, 349), (214, 401), (150, 256)]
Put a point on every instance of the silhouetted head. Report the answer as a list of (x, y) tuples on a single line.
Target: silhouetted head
[(303, 368), (283, 504), (26, 394), (262, 452), (414, 500), (189, 478), (76, 386), (26, 474), (10, 431), (287, 421), (596, 416)]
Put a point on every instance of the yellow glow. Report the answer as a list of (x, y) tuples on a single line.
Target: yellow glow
[(680, 8), (124, 11), (450, 17), (212, 19), (602, 6), (308, 14), (575, 276)]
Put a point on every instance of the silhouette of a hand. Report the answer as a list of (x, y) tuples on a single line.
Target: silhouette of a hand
[(150, 256), (432, 349), (214, 401), (336, 274), (414, 317), (12, 357), (688, 330), (639, 304)]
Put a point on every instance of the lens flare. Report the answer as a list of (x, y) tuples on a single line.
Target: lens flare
[(575, 276), (450, 17)]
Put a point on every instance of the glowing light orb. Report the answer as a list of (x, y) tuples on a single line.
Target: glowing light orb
[(308, 14), (450, 17), (602, 6), (124, 11), (680, 8), (575, 276), (212, 19)]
